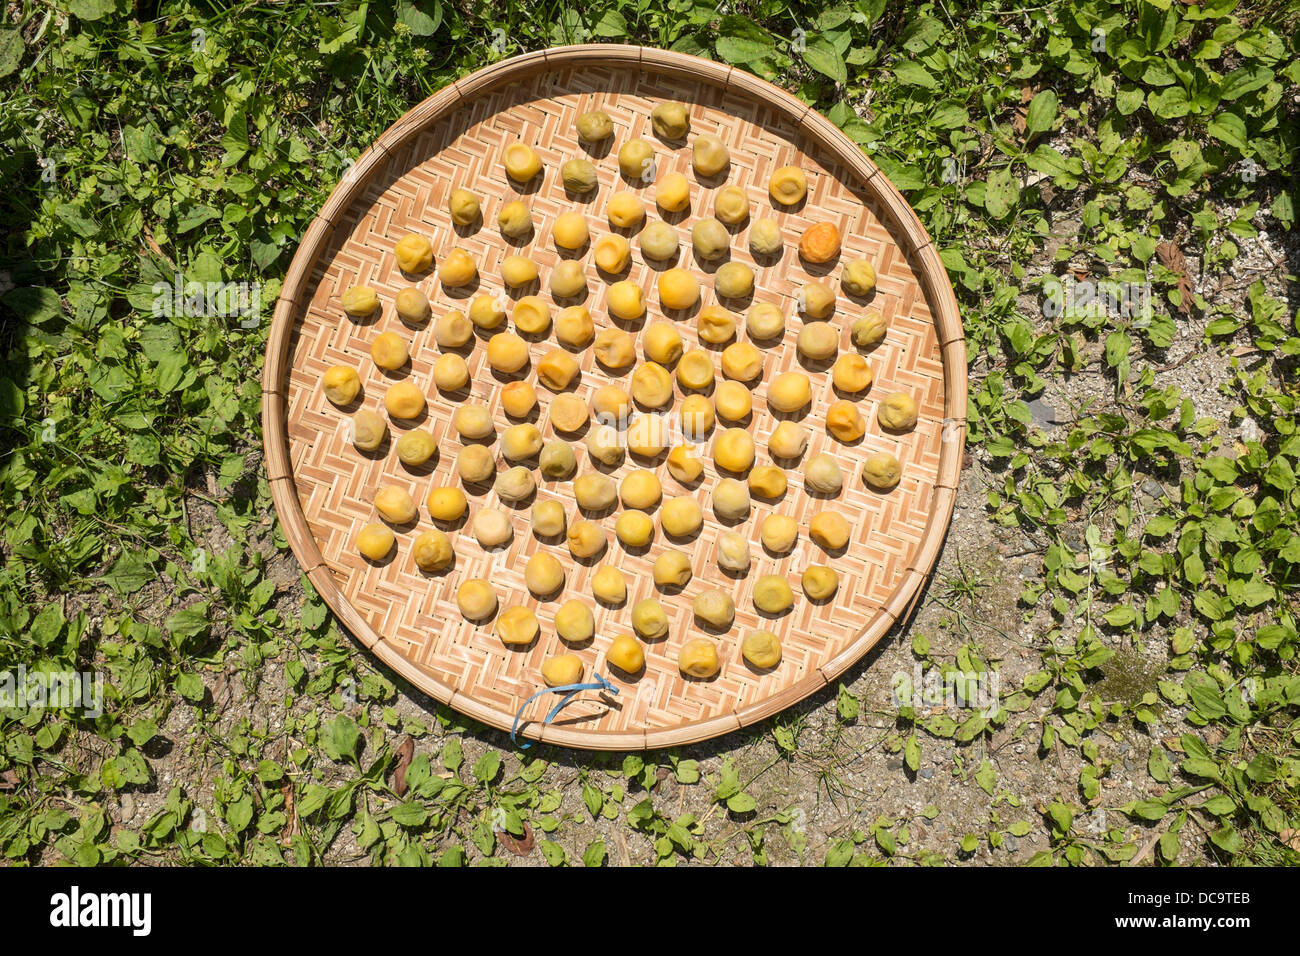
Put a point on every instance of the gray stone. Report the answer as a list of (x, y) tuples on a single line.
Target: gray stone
[(1043, 413), (927, 773), (1010, 843), (1152, 488), (894, 764)]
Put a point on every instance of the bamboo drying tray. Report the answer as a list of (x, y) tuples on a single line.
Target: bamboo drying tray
[(323, 487)]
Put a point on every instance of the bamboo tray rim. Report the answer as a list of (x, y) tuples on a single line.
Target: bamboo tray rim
[(912, 240)]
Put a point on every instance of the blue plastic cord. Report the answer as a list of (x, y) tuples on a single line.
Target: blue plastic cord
[(599, 683)]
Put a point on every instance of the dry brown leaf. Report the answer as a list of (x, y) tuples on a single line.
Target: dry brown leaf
[(1172, 258), (518, 845), (290, 814), (405, 751), (9, 780), (1020, 122)]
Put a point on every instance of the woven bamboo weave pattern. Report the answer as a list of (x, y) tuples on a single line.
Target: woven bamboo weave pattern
[(324, 487)]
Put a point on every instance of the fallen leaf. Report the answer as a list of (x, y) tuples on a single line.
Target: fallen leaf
[(290, 815), (405, 751), (1172, 258), (9, 780), (518, 845), (1020, 122)]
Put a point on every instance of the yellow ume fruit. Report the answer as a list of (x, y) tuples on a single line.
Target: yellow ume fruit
[(636, 160), (820, 582), (678, 289), (521, 441), (543, 574), (548, 519), (830, 530), (772, 594), (684, 464), (681, 517), (698, 658), (695, 370), (715, 325), (368, 430), (788, 185), (714, 607), (375, 541), (432, 551), (586, 539), (672, 569), (389, 350), (733, 450), (570, 230), (762, 649), (415, 448), (640, 490), (732, 401), (515, 220), (568, 279), (450, 373), (574, 328), (662, 343), (851, 373), (767, 481), (881, 471), (412, 306), (518, 398), (446, 504), (414, 253), (733, 280), (697, 416), (731, 499), (574, 622), (452, 330), (709, 155), (859, 278), (594, 126), (779, 533), (742, 361), (625, 300), (634, 529), (521, 161), (789, 392), (614, 348), (557, 370), (404, 400), (897, 411), (670, 120), (609, 586), (626, 654), (518, 626), (625, 210), (532, 315), (476, 599), (652, 386), (457, 269), (562, 670), (341, 384), (464, 207), (673, 192), (487, 312), (649, 619), (507, 352), (518, 271), (845, 422), (359, 301), (731, 205)]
